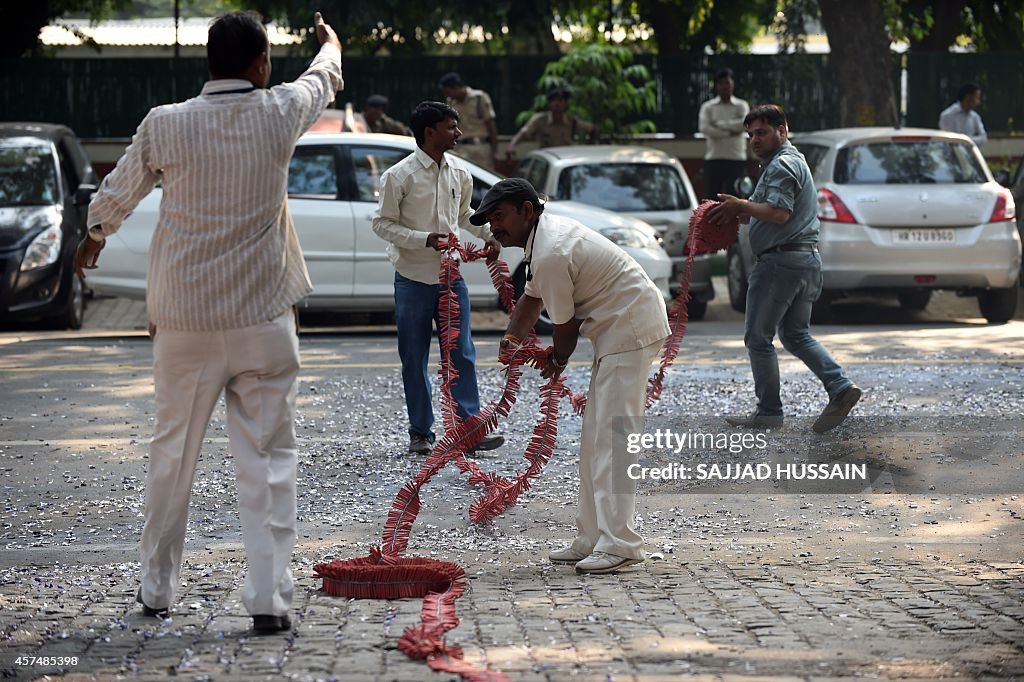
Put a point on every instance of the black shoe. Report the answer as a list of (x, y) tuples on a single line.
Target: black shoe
[(419, 445), (490, 443), (268, 625), (149, 611), (836, 410), (757, 421)]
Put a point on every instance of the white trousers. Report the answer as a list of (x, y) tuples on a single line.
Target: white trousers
[(616, 401), (256, 368)]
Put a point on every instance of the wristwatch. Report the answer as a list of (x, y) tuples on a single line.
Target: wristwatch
[(555, 362)]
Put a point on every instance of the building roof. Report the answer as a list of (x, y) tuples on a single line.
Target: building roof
[(144, 32)]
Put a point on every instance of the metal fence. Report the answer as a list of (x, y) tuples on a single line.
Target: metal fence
[(102, 98)]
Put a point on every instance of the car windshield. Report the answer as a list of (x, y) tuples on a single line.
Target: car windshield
[(28, 176), (624, 187), (908, 163)]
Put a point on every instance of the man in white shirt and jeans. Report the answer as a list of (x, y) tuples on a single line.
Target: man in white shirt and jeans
[(592, 287), (423, 198), (721, 121), (225, 271)]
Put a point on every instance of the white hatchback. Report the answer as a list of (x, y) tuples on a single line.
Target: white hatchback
[(333, 186), (905, 211), (641, 182)]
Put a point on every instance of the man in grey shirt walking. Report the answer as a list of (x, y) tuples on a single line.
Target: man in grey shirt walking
[(225, 271), (786, 279)]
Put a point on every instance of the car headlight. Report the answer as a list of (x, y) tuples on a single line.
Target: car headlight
[(44, 249), (630, 236)]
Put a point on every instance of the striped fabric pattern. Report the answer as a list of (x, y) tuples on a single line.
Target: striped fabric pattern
[(225, 253)]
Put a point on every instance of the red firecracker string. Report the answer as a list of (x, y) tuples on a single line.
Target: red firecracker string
[(385, 574)]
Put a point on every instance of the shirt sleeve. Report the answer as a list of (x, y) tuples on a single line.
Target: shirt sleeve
[(487, 106), (780, 185), (529, 129), (387, 221), (552, 283), (128, 184), (306, 98), (466, 209), (706, 125), (979, 135)]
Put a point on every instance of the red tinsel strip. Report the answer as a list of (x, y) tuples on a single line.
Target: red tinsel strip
[(384, 572)]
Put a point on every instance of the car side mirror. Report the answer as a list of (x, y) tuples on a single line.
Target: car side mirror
[(1002, 176), (83, 195), (744, 186)]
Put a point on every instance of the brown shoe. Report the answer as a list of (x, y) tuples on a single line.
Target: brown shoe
[(835, 412), (757, 421)]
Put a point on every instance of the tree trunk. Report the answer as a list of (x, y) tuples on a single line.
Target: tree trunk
[(947, 24), (667, 21), (861, 62)]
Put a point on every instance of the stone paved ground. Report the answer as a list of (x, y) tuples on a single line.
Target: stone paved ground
[(871, 585), (716, 620)]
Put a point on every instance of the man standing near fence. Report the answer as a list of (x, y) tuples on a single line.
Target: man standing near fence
[(225, 271), (721, 121), (962, 117), (479, 140)]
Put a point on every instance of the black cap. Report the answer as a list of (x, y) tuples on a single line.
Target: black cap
[(450, 79), (376, 101), (516, 190)]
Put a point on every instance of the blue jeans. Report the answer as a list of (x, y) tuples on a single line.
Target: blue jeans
[(780, 292), (416, 313)]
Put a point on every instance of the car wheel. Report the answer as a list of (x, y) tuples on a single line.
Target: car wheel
[(998, 305), (696, 310), (544, 324), (736, 279), (916, 299), (74, 311)]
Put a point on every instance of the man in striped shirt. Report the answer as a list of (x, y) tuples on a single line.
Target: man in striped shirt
[(225, 271)]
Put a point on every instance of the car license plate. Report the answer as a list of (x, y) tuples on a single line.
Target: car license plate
[(924, 237)]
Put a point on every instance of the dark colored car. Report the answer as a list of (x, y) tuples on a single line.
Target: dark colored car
[(46, 182)]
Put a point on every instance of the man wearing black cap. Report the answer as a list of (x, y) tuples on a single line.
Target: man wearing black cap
[(556, 126), (379, 122), (589, 286), (479, 141)]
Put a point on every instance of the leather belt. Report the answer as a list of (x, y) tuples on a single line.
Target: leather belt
[(793, 246)]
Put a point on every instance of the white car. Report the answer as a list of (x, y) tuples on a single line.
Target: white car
[(904, 211), (640, 182), (333, 187)]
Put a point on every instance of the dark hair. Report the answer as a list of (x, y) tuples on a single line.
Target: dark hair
[(723, 73), (966, 90), (233, 42), (558, 93), (771, 114), (450, 79), (377, 101), (427, 115)]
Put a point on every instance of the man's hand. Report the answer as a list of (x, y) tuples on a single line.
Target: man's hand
[(727, 211), (88, 255), (324, 32), (552, 369), (438, 241), (493, 247)]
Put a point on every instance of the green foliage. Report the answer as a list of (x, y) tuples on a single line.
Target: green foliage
[(607, 88)]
